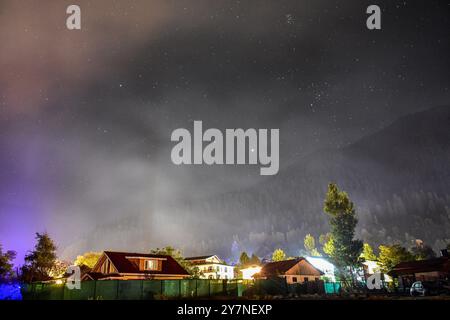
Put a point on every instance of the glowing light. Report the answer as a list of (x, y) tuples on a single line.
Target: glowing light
[(248, 273), (59, 282), (323, 265)]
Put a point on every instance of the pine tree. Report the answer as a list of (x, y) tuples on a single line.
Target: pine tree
[(345, 250), (244, 259), (254, 260)]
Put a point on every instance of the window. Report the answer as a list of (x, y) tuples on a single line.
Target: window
[(106, 267), (306, 279), (294, 279), (151, 264)]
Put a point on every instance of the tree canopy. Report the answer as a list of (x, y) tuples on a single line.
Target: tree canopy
[(6, 264), (40, 262), (254, 260), (310, 245), (244, 259), (88, 259), (392, 255), (367, 253), (421, 251), (344, 250), (278, 255)]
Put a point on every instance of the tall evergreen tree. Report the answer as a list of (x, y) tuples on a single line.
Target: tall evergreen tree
[(345, 249), (40, 262), (254, 260), (244, 259)]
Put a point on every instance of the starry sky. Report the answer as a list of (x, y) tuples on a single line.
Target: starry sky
[(86, 116)]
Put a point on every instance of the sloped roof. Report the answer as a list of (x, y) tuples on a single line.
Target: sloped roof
[(441, 264), (199, 257), (281, 267), (95, 275), (123, 265)]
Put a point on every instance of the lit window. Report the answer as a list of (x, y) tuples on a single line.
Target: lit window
[(151, 265)]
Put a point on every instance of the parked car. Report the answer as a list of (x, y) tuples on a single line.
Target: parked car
[(427, 288)]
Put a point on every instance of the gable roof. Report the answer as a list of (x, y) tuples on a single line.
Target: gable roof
[(281, 267), (124, 265), (441, 264), (95, 276), (200, 257)]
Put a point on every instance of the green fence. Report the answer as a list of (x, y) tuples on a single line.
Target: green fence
[(136, 290), (173, 289), (332, 287)]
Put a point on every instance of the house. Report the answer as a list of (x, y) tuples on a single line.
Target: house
[(327, 268), (135, 266), (212, 267), (294, 271), (371, 267), (250, 271), (423, 270)]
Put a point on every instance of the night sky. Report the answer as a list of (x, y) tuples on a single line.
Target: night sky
[(86, 116)]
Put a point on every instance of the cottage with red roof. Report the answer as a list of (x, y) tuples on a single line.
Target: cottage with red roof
[(294, 271), (135, 266), (423, 270)]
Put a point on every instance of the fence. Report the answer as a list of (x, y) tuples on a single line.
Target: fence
[(135, 290), (170, 289)]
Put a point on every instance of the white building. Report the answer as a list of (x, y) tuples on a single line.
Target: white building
[(323, 265), (212, 267), (372, 267)]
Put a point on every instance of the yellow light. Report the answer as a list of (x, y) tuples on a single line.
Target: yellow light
[(59, 282), (248, 273)]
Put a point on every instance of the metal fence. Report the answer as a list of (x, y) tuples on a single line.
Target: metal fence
[(135, 290), (171, 289), (192, 289)]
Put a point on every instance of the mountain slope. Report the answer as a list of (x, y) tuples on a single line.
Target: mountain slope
[(399, 178)]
